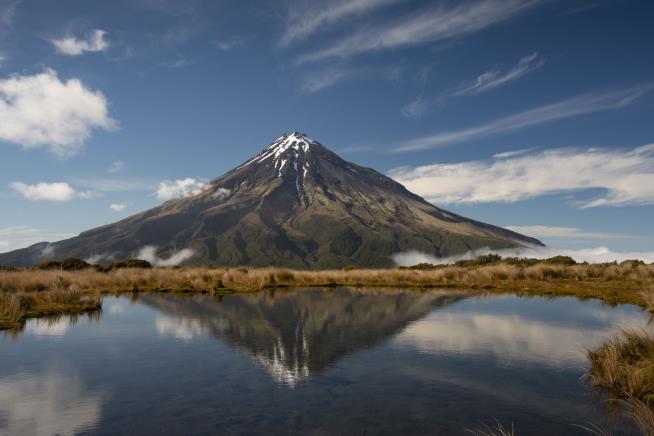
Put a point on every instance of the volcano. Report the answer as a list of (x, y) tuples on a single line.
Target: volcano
[(295, 204)]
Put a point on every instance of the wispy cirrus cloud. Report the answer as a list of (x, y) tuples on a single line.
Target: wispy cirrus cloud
[(495, 78), (74, 46), (626, 176), (425, 26), (564, 232), (326, 78), (573, 107), (486, 81), (305, 21), (42, 111), (116, 167)]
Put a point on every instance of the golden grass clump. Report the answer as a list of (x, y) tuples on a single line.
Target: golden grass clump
[(613, 283), (624, 366)]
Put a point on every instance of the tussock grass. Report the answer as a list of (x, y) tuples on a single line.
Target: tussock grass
[(612, 283), (624, 365), (17, 307)]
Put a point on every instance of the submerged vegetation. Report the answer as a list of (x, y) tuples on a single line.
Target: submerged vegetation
[(27, 293)]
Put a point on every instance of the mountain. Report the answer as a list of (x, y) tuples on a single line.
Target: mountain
[(295, 204)]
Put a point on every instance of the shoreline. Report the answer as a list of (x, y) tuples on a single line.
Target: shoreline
[(33, 293)]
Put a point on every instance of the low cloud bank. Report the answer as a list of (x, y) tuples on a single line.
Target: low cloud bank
[(149, 253), (591, 255)]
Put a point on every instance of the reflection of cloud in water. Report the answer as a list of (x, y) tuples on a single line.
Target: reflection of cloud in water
[(178, 328), (46, 327), (513, 338), (116, 309), (47, 404)]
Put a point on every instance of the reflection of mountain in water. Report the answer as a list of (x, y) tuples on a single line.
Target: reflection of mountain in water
[(295, 334)]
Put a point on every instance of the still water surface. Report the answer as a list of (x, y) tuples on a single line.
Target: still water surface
[(311, 362)]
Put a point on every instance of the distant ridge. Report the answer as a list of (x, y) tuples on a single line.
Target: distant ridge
[(295, 204)]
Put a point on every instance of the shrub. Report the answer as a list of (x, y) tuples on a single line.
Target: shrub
[(126, 263), (73, 264), (49, 264), (561, 260)]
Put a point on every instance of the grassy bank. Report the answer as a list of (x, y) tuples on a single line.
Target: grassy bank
[(611, 283), (624, 366), (17, 307)]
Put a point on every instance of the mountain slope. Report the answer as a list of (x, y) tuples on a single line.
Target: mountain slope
[(295, 204)]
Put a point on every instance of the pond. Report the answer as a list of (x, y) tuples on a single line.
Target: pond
[(311, 361)]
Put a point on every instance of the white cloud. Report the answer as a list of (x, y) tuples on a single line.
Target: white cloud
[(72, 46), (512, 153), (627, 176), (180, 188), (562, 232), (591, 255), (58, 191), (573, 107), (42, 111), (302, 22), (116, 167), (229, 44), (15, 237), (221, 194), (415, 109), (495, 78), (485, 82), (325, 78), (8, 13), (117, 207), (149, 253), (424, 26)]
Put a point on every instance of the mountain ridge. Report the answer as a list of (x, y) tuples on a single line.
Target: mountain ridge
[(294, 204)]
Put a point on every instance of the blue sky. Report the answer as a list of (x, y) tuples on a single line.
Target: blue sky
[(533, 114)]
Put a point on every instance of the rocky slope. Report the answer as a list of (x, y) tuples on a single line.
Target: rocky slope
[(295, 204)]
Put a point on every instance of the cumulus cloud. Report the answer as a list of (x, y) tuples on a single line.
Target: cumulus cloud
[(43, 111), (424, 26), (57, 191), (72, 46), (117, 207), (303, 22), (149, 253), (573, 107), (180, 188), (626, 176), (591, 255)]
